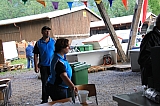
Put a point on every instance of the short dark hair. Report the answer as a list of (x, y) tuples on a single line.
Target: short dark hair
[(61, 44), (45, 27)]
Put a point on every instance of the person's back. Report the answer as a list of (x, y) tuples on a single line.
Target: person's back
[(150, 40), (29, 50), (29, 55)]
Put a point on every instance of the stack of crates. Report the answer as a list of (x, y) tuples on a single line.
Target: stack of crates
[(21, 50), (88, 47), (80, 48)]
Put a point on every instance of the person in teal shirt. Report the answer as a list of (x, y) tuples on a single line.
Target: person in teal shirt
[(61, 72)]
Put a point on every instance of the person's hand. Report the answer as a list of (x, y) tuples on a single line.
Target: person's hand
[(36, 69), (75, 91)]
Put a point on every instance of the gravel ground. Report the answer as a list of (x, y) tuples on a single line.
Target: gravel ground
[(26, 87)]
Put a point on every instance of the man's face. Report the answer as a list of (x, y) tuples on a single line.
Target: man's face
[(46, 33)]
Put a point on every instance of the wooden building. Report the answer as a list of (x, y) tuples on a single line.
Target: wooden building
[(120, 23), (74, 23)]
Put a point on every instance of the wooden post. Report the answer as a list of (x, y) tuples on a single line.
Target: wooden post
[(134, 26), (111, 30)]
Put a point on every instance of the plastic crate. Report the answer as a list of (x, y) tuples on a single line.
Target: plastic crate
[(80, 48), (88, 47)]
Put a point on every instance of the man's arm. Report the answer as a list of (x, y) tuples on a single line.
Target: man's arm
[(36, 69), (36, 52)]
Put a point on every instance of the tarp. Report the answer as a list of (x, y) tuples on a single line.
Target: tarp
[(9, 49)]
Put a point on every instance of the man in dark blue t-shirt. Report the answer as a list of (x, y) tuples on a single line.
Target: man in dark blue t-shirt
[(29, 55), (44, 49)]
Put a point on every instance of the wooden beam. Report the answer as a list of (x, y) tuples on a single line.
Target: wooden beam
[(111, 30), (134, 26)]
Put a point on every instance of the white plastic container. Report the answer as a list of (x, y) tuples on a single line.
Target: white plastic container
[(82, 95)]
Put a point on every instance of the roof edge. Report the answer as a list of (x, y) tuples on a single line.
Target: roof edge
[(46, 15)]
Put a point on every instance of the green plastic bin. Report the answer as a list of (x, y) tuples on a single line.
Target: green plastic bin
[(80, 48), (88, 47), (74, 64), (80, 74)]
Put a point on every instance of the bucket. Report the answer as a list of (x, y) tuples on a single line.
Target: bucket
[(82, 95)]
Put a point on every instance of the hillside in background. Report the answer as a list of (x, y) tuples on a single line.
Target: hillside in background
[(17, 8)]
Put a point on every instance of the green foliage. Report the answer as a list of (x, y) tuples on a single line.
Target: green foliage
[(155, 6), (18, 9), (117, 9)]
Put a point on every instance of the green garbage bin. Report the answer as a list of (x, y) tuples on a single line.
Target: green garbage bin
[(80, 74), (88, 47), (74, 64)]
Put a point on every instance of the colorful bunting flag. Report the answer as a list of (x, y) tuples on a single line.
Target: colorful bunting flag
[(98, 1), (85, 3), (10, 1), (145, 5), (42, 2), (24, 1), (125, 3), (143, 14), (70, 5), (110, 2), (55, 5)]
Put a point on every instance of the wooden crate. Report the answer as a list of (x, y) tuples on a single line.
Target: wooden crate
[(1, 95), (21, 45), (10, 68), (18, 66), (15, 67), (22, 56), (1, 67), (122, 67), (21, 49), (96, 68)]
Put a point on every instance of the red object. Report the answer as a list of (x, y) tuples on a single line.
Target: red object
[(125, 3), (85, 2), (143, 13), (144, 10)]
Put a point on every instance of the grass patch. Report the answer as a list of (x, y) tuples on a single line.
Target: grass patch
[(19, 61)]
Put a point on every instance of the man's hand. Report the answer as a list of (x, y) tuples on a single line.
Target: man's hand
[(36, 69)]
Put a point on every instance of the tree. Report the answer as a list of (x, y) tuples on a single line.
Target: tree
[(18, 9), (117, 9)]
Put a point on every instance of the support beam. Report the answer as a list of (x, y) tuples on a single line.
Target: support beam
[(134, 26), (111, 30)]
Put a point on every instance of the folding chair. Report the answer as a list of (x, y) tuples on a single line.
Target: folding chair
[(5, 88), (89, 87)]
